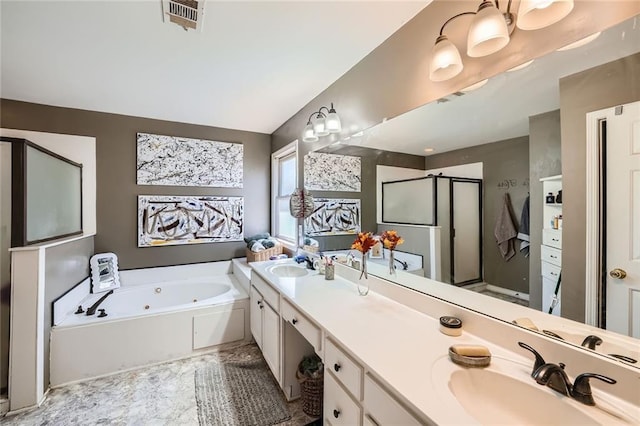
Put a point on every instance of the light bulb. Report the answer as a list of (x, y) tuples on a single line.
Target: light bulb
[(308, 134)]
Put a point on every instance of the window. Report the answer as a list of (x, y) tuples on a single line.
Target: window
[(284, 165)]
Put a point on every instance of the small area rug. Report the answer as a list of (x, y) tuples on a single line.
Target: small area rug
[(239, 393)]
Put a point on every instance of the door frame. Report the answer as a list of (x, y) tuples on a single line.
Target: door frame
[(595, 214)]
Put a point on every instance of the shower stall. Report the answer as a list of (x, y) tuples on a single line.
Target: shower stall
[(452, 203)]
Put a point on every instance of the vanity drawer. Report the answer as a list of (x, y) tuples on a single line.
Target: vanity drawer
[(382, 408), (348, 372), (552, 237), (339, 408), (270, 295), (308, 329), (550, 272), (551, 255)]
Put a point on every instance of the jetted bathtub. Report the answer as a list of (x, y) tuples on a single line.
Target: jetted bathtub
[(157, 315)]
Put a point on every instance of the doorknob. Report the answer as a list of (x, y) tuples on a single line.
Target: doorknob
[(618, 273)]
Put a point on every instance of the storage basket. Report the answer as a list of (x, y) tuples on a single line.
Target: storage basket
[(264, 254), (311, 394)]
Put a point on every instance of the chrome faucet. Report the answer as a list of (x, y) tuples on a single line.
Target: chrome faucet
[(554, 376)]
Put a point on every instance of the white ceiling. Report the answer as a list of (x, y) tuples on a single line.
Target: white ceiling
[(501, 109), (254, 65)]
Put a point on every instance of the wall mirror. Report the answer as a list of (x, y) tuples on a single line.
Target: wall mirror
[(104, 272), (487, 125)]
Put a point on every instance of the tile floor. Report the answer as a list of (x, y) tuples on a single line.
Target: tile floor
[(162, 394), (482, 289)]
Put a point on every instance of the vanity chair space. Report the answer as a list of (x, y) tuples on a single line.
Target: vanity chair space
[(386, 361)]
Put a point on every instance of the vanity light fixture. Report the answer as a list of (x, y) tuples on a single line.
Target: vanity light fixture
[(490, 31), (580, 43), (321, 124), (475, 86), (521, 66)]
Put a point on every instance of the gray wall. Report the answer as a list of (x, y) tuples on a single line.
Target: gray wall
[(65, 266), (505, 169), (393, 78), (544, 160), (591, 90), (370, 159), (116, 178)]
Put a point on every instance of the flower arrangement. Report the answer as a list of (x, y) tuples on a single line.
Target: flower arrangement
[(391, 239), (364, 242)]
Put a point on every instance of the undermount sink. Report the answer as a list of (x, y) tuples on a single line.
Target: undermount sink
[(288, 271), (504, 393)]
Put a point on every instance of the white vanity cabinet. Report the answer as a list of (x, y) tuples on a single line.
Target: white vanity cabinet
[(353, 397), (265, 322)]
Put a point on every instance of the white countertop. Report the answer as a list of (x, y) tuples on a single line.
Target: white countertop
[(399, 344)]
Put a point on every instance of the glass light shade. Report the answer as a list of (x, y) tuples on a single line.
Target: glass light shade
[(319, 126), (308, 134), (521, 66), (446, 62), (581, 42), (536, 14), (475, 86), (332, 122), (488, 32)]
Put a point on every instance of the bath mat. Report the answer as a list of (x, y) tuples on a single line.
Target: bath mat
[(239, 393)]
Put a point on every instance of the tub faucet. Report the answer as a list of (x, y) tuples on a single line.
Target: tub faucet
[(92, 309)]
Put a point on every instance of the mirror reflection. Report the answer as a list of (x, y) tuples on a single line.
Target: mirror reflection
[(509, 137)]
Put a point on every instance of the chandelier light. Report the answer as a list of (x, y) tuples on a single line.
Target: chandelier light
[(321, 124), (490, 31)]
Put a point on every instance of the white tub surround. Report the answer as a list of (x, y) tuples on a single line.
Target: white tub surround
[(386, 346), (157, 315)]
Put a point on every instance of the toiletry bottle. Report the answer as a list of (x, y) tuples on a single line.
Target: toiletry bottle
[(550, 198)]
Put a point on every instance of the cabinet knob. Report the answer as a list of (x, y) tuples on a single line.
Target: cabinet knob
[(618, 274), (336, 413), (336, 367), (294, 321)]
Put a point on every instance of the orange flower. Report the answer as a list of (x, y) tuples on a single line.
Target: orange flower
[(364, 242), (391, 239)]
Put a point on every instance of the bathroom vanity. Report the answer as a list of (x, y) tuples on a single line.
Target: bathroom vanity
[(386, 362)]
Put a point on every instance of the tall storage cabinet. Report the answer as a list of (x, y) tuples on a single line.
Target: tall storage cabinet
[(551, 249)]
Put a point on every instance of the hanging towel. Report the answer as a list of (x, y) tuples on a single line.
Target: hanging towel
[(504, 229), (523, 232)]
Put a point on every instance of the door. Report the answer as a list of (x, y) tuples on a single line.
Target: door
[(271, 339), (255, 314), (623, 220), (466, 231)]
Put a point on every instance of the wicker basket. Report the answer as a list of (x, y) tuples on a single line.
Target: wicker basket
[(264, 254), (311, 394)]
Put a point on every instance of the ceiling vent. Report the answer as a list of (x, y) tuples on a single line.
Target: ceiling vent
[(188, 14)]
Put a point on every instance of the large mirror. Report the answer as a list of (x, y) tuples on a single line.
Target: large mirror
[(509, 135)]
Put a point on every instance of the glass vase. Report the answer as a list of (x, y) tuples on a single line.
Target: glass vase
[(364, 277), (392, 266)]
